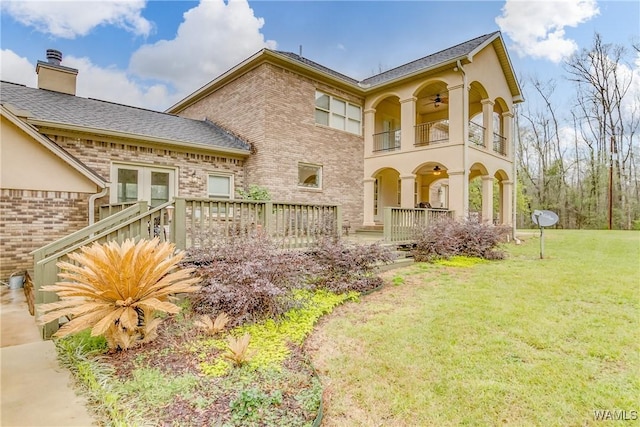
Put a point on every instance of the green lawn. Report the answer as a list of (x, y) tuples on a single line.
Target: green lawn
[(518, 342)]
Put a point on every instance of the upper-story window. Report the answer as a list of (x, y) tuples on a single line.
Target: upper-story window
[(337, 113)]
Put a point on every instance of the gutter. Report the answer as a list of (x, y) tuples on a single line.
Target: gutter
[(92, 204), (136, 137), (465, 137)]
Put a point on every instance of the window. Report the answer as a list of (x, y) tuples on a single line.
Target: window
[(220, 186), (338, 114), (309, 176), (131, 183)]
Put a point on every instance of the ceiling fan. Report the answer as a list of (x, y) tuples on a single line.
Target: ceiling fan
[(437, 100)]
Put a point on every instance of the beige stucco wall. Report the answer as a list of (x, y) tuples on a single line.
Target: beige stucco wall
[(54, 78), (27, 165), (274, 109), (467, 94)]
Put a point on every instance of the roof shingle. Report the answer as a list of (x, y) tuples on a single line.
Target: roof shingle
[(98, 115)]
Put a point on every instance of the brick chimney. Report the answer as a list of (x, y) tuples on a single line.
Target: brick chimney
[(56, 77)]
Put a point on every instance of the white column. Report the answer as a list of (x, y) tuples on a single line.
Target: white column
[(487, 199), (458, 194), (457, 118), (407, 123), (487, 121), (369, 130), (406, 191), (368, 201), (506, 202)]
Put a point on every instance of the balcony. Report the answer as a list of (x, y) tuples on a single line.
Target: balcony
[(386, 141), (476, 134), (499, 144), (435, 132)]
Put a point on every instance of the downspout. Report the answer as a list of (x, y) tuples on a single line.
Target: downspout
[(515, 178), (92, 204), (465, 140)]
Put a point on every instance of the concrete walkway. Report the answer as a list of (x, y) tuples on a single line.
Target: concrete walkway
[(35, 391)]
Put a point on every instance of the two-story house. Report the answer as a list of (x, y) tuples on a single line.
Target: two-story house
[(412, 136), (416, 135)]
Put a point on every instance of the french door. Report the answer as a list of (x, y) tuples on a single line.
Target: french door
[(131, 183)]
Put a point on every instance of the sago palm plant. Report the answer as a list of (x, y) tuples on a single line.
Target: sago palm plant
[(117, 290)]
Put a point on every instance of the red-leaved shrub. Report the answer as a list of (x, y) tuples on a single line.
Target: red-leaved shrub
[(446, 238), (344, 267), (247, 277)]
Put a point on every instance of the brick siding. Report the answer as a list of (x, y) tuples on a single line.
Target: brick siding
[(31, 219), (99, 155), (274, 109)]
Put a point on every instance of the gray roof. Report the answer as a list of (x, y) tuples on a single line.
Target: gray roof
[(318, 66), (55, 107), (430, 61), (442, 57)]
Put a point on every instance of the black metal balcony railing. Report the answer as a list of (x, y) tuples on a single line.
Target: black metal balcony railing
[(432, 133), (476, 134), (499, 144), (437, 132), (386, 141)]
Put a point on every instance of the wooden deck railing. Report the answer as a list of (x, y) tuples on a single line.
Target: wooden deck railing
[(400, 224), (188, 222), (292, 225)]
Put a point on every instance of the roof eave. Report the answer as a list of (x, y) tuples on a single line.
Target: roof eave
[(516, 90), (264, 55), (55, 149), (413, 74), (138, 137)]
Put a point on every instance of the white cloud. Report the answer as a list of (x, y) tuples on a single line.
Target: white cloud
[(115, 85), (213, 37), (69, 19), (537, 27), (107, 84), (16, 69)]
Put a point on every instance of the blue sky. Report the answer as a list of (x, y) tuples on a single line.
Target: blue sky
[(153, 53)]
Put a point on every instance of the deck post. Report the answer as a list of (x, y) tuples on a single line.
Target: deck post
[(180, 223), (268, 218), (387, 213)]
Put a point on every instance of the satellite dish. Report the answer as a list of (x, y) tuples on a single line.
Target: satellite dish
[(544, 218)]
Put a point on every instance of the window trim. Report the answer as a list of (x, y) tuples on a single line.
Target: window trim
[(320, 180), (144, 180), (232, 187), (345, 116)]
